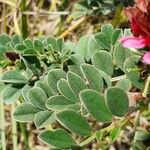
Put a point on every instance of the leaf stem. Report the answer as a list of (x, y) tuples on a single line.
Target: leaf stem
[(88, 140)]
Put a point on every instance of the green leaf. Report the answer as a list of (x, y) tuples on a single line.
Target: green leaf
[(117, 101), (16, 39), (120, 55), (115, 133), (82, 47), (93, 46), (107, 29), (33, 64), (106, 79), (53, 77), (20, 48), (37, 97), (44, 118), (124, 84), (100, 134), (58, 138), (60, 45), (103, 41), (9, 46), (30, 52), (70, 46), (102, 60), (52, 41), (74, 122), (74, 107), (93, 77), (142, 135), (4, 39), (132, 71), (66, 91), (11, 94), (95, 105), (74, 63), (25, 112), (2, 50), (57, 103), (44, 86), (39, 46), (76, 83), (13, 77), (29, 43), (117, 33), (25, 90), (2, 86)]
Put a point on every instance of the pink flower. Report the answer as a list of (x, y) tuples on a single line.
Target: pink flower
[(139, 17), (135, 42), (146, 58)]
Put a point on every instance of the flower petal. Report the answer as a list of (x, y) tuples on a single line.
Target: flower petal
[(146, 58), (133, 42)]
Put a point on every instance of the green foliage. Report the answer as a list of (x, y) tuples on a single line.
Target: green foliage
[(11, 94), (124, 84), (76, 83), (74, 122), (117, 101), (132, 71), (95, 82), (66, 91), (57, 103), (13, 77), (115, 133), (37, 97), (102, 60), (98, 7), (25, 112), (53, 77), (120, 55), (44, 118), (58, 138), (65, 84), (95, 105)]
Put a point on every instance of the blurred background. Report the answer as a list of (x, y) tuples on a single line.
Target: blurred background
[(69, 19), (65, 18)]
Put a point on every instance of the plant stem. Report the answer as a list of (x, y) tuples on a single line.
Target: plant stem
[(119, 124), (73, 26), (25, 135), (24, 24), (4, 26), (2, 124), (147, 84), (88, 140), (14, 129)]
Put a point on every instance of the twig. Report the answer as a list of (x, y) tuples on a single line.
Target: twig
[(72, 27), (43, 13)]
